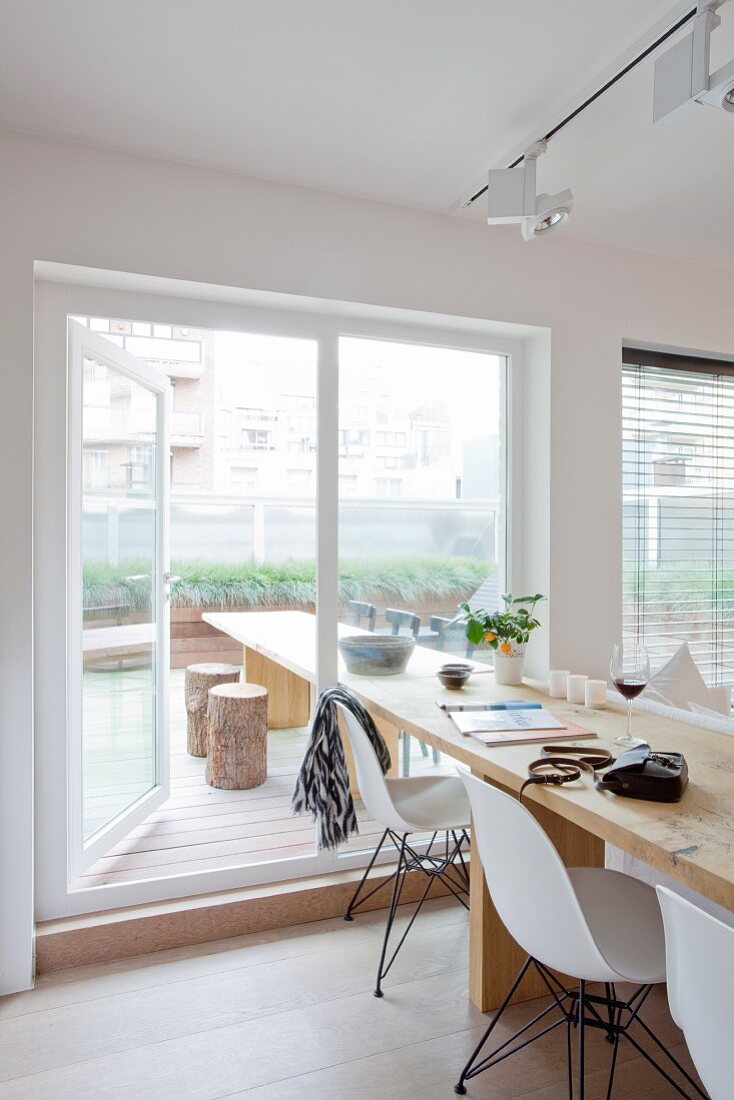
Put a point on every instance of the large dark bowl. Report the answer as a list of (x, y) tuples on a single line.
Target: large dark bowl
[(376, 654)]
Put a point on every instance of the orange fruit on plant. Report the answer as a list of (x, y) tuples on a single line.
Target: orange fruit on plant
[(505, 648), (489, 636)]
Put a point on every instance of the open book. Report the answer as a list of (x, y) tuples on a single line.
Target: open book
[(513, 723)]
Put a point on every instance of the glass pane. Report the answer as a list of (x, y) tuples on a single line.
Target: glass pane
[(421, 483), (119, 561)]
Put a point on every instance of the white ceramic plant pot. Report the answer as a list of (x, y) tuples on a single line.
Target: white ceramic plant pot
[(508, 668)]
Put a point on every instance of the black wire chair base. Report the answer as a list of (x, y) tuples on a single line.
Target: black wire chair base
[(442, 861), (580, 1010)]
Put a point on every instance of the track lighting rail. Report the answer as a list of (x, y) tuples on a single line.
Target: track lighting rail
[(659, 41)]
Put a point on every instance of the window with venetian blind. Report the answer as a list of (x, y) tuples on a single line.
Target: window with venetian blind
[(678, 492)]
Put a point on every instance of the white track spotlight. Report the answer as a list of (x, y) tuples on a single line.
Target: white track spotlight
[(512, 198), (683, 75)]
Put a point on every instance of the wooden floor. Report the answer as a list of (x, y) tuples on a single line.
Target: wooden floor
[(290, 1014), (201, 828)]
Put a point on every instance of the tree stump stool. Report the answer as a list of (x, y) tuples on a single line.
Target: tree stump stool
[(237, 758), (198, 680)]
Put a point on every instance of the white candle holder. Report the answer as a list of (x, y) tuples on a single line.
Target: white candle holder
[(557, 682), (575, 686), (595, 693)]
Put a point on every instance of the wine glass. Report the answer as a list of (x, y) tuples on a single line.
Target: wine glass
[(630, 671)]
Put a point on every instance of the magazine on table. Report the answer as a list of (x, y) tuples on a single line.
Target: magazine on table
[(513, 723)]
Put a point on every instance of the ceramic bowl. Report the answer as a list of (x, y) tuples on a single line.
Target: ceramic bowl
[(454, 676), (376, 654)]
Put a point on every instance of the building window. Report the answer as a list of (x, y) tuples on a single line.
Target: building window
[(678, 518), (141, 456), (96, 469), (256, 439), (359, 436), (391, 439)]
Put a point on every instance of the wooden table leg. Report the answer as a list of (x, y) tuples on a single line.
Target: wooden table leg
[(494, 957), (288, 694)]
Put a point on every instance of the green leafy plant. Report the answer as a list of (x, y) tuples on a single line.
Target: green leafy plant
[(503, 630)]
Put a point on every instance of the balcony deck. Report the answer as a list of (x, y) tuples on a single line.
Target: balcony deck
[(200, 828)]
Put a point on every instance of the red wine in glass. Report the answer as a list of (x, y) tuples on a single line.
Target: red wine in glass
[(630, 688), (630, 672)]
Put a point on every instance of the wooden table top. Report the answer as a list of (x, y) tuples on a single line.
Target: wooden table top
[(289, 639), (692, 840)]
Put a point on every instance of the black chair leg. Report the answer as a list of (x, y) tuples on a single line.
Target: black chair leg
[(356, 899), (395, 901), (460, 1087)]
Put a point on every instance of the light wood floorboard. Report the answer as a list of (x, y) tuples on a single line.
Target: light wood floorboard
[(287, 1014)]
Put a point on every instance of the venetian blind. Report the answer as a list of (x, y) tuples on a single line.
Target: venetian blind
[(678, 497)]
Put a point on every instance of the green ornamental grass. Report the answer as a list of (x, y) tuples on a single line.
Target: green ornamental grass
[(286, 584)]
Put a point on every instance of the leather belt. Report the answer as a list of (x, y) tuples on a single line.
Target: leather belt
[(554, 770)]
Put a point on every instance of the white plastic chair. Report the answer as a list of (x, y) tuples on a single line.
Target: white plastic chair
[(597, 925), (434, 804), (700, 963)]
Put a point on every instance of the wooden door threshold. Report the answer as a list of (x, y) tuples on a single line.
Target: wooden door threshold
[(160, 926)]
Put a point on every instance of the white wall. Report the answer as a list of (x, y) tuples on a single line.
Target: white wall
[(79, 205)]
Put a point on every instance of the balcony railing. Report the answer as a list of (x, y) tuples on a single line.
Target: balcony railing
[(239, 528)]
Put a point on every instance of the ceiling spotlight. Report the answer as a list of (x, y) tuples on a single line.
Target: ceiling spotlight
[(551, 215), (683, 74), (512, 198)]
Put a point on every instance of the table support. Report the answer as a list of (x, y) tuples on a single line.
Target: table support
[(288, 694), (494, 957)]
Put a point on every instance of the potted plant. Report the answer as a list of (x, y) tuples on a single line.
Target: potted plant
[(507, 632)]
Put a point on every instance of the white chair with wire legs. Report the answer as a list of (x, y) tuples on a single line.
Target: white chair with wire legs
[(433, 804), (598, 926), (700, 964)]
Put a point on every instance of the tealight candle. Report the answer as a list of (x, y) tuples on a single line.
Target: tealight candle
[(575, 688), (595, 693), (557, 678)]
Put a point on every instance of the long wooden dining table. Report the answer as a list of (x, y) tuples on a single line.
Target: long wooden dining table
[(692, 841)]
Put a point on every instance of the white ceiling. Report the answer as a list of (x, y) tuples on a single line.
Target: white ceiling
[(404, 101)]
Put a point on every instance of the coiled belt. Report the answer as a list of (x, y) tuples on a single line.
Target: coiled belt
[(552, 770)]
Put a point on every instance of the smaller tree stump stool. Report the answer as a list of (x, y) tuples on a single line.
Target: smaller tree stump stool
[(237, 758), (198, 680)]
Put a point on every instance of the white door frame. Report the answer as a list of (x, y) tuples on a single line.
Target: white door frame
[(81, 342), (55, 302)]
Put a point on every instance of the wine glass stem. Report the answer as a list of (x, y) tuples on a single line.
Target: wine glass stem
[(629, 719)]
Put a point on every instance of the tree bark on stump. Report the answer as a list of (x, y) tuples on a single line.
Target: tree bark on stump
[(198, 680), (237, 758)]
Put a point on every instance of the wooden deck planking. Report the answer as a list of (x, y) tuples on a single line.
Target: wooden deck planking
[(201, 828)]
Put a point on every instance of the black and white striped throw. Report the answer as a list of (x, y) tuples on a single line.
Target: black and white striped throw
[(322, 785)]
